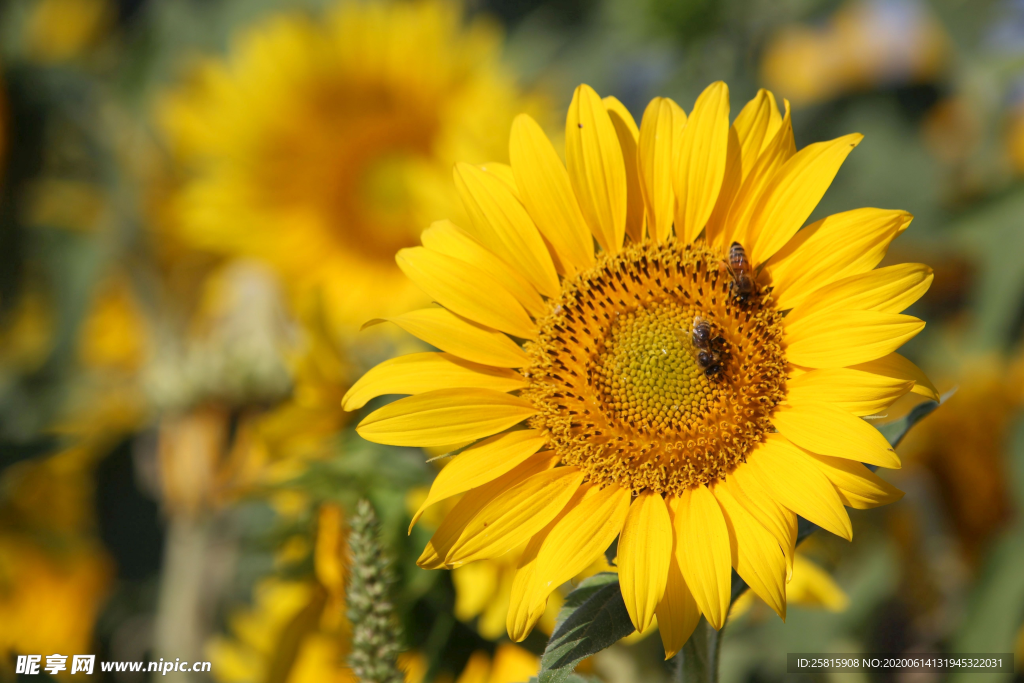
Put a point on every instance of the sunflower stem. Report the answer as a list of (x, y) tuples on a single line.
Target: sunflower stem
[(697, 662)]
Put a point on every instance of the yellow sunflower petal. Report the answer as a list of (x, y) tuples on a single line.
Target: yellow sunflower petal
[(754, 129), (835, 247), (793, 193), (504, 226), (703, 552), (797, 483), (854, 391), (823, 428), (503, 172), (746, 139), (702, 158), (473, 502), (886, 290), (645, 552), (513, 517), (837, 339), (758, 502), (628, 133), (459, 337), (596, 167), (714, 229), (736, 227), (482, 462), (662, 122), (523, 613), (466, 290), (443, 417), (547, 194), (579, 537), (447, 238), (677, 612), (416, 373), (756, 554), (858, 487), (897, 367)]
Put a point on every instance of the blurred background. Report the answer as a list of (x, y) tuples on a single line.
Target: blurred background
[(199, 205)]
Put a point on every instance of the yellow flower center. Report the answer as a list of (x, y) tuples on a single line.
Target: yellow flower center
[(647, 372), (343, 151), (622, 387)]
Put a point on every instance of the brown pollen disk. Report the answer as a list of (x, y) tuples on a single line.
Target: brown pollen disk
[(618, 381)]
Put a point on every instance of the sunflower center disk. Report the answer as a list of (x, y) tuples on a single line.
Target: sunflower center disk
[(616, 378), (648, 373)]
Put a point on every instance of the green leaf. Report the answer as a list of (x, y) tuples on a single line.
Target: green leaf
[(572, 678), (895, 431), (593, 618)]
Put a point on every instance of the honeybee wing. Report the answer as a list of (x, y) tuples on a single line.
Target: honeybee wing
[(685, 337)]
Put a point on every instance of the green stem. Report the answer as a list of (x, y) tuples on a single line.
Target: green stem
[(697, 662)]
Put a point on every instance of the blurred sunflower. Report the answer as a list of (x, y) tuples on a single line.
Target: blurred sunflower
[(279, 631), (54, 573), (808, 586), (964, 451), (49, 601), (665, 396), (1014, 136), (510, 664), (865, 43), (296, 630), (322, 147)]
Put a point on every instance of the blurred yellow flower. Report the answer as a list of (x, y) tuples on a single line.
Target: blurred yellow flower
[(812, 586), (809, 586), (322, 147), (1015, 138), (113, 335), (48, 601), (26, 333), (54, 575), (296, 630), (964, 449), (59, 30), (511, 664), (282, 635), (280, 629), (866, 43)]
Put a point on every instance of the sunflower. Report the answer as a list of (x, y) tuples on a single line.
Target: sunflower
[(862, 45), (321, 147), (595, 407)]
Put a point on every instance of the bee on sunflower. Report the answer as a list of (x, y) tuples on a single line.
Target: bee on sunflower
[(571, 362)]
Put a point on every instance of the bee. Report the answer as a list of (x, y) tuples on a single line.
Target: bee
[(701, 336), (708, 355), (742, 285)]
